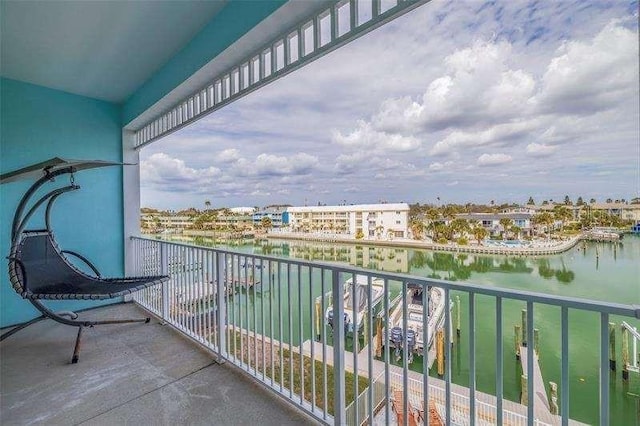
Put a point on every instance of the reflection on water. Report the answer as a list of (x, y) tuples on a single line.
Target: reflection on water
[(381, 258), (439, 265), (598, 271)]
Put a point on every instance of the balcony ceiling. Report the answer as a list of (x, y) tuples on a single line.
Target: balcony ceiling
[(104, 50)]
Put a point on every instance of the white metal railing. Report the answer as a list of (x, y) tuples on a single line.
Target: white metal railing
[(311, 39), (632, 363), (269, 316)]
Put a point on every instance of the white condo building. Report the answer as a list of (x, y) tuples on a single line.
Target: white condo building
[(374, 220)]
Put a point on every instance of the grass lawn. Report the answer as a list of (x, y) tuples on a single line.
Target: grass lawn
[(293, 360)]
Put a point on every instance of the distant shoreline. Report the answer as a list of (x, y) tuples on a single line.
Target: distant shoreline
[(454, 248)]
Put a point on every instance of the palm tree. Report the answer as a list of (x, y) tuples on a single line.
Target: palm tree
[(207, 204), (515, 231), (543, 219), (479, 233), (506, 223), (433, 215), (562, 214), (442, 230), (460, 226), (449, 212), (266, 223), (417, 228), (432, 228)]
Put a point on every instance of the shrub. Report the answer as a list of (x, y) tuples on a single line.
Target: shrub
[(442, 240), (359, 235), (462, 241)]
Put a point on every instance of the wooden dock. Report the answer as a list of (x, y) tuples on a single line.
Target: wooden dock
[(513, 412), (539, 389)]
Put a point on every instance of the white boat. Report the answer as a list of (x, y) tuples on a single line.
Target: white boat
[(415, 323), (358, 293)]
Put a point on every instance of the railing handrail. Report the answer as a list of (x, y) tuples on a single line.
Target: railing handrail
[(529, 296)]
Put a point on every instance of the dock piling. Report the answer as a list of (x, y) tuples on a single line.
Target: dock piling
[(612, 346), (524, 394), (366, 331), (524, 327), (458, 316), (440, 351), (318, 319), (378, 345), (625, 354), (517, 339), (553, 398), (536, 341)]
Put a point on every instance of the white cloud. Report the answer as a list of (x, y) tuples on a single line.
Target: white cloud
[(494, 159), (435, 167), (300, 163), (164, 171), (365, 136), (541, 150), (500, 134), (590, 76), (228, 155), (522, 79)]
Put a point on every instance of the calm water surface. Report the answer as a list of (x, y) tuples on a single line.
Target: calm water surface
[(600, 271)]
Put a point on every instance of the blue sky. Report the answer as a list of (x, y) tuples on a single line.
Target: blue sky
[(465, 101)]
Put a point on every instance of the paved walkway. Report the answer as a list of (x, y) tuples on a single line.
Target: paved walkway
[(144, 374)]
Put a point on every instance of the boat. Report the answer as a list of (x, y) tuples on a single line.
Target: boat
[(635, 229), (415, 324), (357, 293)]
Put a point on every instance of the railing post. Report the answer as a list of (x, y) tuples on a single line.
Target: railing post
[(164, 270), (221, 307), (337, 299)]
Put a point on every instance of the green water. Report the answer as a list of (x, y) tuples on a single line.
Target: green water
[(599, 271)]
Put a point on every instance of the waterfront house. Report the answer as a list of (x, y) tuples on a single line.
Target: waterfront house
[(491, 221), (277, 215), (368, 220)]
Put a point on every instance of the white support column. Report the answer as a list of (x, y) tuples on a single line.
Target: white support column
[(130, 197)]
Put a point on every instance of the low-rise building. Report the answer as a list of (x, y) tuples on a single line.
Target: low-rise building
[(371, 220), (491, 221), (278, 216), (163, 221), (622, 210)]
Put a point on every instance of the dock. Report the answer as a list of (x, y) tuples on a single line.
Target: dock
[(540, 391), (513, 412)]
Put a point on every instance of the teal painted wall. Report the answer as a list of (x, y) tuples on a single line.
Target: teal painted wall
[(38, 123), (231, 23)]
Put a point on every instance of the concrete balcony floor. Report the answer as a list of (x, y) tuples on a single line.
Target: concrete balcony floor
[(145, 374)]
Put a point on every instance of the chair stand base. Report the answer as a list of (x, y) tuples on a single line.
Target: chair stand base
[(76, 349)]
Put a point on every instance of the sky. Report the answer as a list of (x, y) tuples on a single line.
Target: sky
[(454, 102)]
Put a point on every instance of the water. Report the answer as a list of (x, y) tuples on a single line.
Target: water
[(600, 271)]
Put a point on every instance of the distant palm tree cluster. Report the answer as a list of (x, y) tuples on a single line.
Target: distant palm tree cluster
[(441, 224)]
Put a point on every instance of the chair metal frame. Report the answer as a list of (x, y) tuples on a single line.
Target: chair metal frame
[(18, 271)]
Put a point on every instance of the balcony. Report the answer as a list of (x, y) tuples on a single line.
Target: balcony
[(130, 73), (269, 317), (127, 374), (233, 331)]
